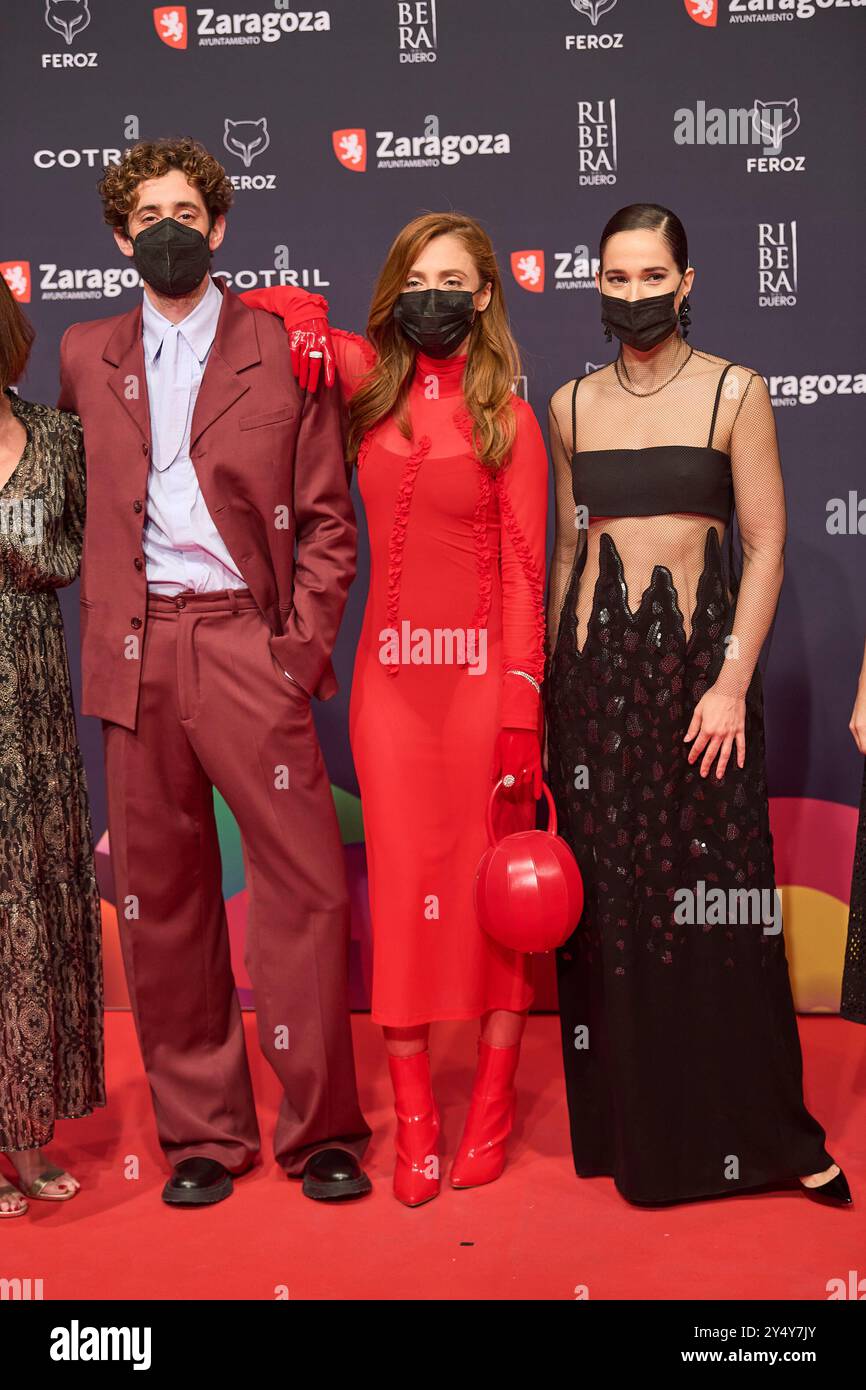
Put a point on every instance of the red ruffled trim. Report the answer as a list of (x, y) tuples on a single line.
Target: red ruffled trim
[(482, 550), (398, 532), (363, 448), (366, 347), (464, 422), (534, 579)]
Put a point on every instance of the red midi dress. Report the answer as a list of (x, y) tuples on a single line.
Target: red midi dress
[(453, 547)]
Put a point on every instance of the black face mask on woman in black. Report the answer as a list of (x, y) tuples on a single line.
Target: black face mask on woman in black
[(641, 323), (171, 257), (436, 321)]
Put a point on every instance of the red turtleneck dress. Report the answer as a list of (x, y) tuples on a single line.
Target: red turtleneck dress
[(452, 545)]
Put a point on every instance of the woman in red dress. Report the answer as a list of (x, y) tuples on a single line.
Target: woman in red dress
[(445, 700)]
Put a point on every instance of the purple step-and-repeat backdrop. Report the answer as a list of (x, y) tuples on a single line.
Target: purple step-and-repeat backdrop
[(540, 117)]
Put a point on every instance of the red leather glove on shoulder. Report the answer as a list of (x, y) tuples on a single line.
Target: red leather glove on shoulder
[(305, 319), (312, 354)]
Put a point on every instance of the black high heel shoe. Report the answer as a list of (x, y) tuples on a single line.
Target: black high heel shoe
[(835, 1193)]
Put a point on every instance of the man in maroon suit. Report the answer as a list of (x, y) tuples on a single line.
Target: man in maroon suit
[(219, 548)]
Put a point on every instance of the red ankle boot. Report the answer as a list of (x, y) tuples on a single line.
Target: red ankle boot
[(481, 1155), (416, 1174)]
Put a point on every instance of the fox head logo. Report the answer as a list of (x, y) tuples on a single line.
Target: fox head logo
[(169, 21), (67, 17), (350, 147), (247, 139), (704, 12), (774, 120), (593, 9), (17, 277), (527, 267)]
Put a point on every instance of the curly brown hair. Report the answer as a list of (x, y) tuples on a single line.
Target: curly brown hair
[(150, 159)]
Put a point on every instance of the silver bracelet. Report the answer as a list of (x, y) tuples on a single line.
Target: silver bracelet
[(512, 671)]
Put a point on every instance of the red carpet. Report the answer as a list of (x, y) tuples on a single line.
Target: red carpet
[(538, 1233)]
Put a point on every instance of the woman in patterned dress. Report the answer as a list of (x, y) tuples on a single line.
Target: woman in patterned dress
[(51, 1024)]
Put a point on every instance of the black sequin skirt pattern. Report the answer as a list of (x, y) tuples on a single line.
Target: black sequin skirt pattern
[(853, 1006), (682, 1057)]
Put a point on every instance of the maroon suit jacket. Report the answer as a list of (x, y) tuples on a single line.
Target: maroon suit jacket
[(271, 466)]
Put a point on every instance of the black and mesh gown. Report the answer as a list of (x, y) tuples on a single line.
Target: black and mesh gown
[(51, 1007), (682, 1057)]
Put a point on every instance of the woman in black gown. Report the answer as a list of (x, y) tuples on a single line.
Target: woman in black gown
[(682, 1057)]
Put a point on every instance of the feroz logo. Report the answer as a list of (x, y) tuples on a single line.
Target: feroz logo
[(246, 139), (416, 29), (764, 124), (773, 121), (592, 9), (777, 264), (527, 267), (704, 12), (17, 277), (350, 147), (169, 21), (67, 17)]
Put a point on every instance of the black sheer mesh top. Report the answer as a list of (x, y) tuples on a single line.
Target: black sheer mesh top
[(653, 453), (655, 479)]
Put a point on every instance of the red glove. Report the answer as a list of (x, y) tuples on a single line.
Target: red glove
[(305, 318), (311, 349), (518, 754)]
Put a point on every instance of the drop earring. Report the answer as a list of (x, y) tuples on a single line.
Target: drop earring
[(607, 333), (685, 315)]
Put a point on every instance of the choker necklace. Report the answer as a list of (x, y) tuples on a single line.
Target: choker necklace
[(619, 360)]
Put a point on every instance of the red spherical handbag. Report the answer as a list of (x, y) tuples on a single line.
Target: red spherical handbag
[(528, 887)]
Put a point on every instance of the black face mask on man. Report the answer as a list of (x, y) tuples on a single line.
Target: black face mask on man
[(641, 323), (436, 321), (171, 257)]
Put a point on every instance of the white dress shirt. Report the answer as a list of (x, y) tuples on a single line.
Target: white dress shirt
[(182, 548)]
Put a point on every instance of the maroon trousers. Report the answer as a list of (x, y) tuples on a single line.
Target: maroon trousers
[(215, 709)]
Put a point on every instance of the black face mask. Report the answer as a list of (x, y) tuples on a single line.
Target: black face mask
[(436, 321), (641, 323), (171, 257)]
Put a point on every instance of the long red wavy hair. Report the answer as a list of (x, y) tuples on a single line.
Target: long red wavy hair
[(493, 360)]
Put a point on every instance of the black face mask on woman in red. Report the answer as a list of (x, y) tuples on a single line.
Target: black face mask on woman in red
[(436, 321)]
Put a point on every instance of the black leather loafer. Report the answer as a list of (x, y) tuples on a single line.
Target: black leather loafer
[(197, 1182), (333, 1175)]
